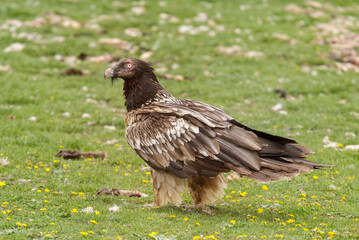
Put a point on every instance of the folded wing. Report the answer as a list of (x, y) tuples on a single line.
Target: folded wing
[(192, 138)]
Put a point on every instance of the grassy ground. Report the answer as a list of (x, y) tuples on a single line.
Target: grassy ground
[(42, 196)]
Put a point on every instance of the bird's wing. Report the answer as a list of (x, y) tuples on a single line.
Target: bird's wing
[(169, 142), (193, 138), (267, 157)]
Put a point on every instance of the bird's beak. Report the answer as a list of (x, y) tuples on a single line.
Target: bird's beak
[(108, 73)]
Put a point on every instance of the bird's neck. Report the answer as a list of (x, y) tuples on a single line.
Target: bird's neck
[(140, 90)]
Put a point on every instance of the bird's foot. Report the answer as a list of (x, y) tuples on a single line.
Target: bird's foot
[(151, 205), (205, 209)]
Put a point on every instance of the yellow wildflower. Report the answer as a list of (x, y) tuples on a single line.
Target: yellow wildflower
[(290, 221), (153, 234)]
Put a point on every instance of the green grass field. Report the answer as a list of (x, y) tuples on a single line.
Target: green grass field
[(231, 54)]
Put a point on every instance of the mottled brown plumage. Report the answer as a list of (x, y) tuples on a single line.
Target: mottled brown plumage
[(190, 140)]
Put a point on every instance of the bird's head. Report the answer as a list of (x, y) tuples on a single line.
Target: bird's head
[(128, 68)]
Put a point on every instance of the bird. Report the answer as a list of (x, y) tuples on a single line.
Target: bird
[(191, 145)]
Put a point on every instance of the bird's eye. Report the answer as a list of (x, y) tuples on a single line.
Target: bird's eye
[(129, 65)]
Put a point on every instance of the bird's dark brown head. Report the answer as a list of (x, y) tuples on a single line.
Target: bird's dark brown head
[(128, 68), (140, 82)]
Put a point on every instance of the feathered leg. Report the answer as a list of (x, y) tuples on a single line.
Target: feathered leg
[(205, 190), (166, 188)]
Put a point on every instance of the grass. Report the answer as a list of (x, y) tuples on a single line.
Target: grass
[(42, 196)]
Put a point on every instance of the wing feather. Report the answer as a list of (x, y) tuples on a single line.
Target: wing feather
[(190, 138)]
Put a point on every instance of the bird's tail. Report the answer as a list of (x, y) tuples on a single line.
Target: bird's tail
[(282, 161)]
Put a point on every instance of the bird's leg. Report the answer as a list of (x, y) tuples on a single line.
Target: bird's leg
[(157, 201)]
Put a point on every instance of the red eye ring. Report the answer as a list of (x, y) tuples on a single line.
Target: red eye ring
[(128, 65)]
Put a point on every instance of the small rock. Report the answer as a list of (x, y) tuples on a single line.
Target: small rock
[(114, 208), (15, 47), (91, 123), (4, 161), (253, 54), (350, 134), (343, 101), (352, 147), (138, 10), (328, 143), (232, 50), (277, 107), (110, 128), (88, 210), (86, 115), (4, 68), (133, 32), (66, 114), (25, 181), (111, 142), (146, 55)]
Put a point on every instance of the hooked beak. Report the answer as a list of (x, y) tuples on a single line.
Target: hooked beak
[(109, 74)]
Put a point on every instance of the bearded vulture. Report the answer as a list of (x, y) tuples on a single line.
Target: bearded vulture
[(194, 142)]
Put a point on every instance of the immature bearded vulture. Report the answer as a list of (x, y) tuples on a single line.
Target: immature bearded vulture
[(190, 140)]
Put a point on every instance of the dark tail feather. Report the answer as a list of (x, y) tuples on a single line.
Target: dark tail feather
[(283, 161)]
